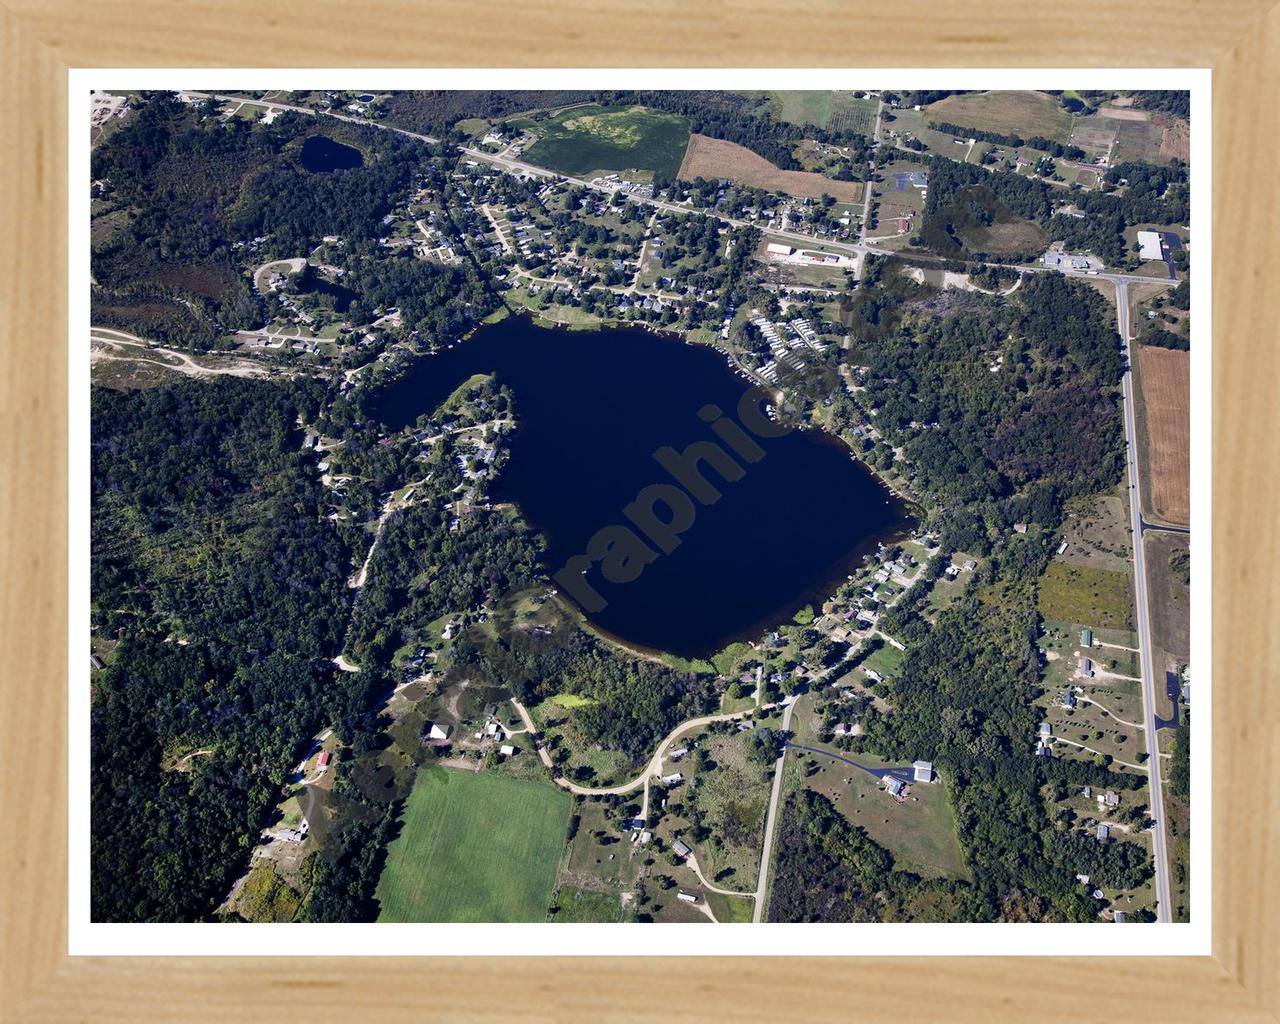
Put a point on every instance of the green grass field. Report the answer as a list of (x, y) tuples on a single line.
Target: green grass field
[(1023, 112), (586, 139), (1095, 597), (576, 906), (823, 108), (474, 847), (802, 106)]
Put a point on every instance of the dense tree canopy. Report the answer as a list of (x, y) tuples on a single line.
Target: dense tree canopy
[(222, 582)]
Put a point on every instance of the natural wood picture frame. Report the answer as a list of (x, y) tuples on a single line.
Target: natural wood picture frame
[(41, 39)]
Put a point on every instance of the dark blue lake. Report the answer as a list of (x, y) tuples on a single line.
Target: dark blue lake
[(321, 154), (592, 408)]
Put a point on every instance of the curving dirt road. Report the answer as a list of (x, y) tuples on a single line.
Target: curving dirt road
[(692, 861), (165, 358)]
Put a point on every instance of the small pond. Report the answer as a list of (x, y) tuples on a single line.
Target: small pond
[(320, 154)]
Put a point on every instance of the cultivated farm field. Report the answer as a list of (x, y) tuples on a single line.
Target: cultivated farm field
[(1164, 381), (716, 158), (475, 846)]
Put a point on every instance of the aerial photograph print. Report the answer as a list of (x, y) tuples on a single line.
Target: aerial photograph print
[(616, 506)]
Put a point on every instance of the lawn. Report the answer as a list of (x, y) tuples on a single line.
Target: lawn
[(885, 659), (802, 106), (919, 833), (600, 853), (1095, 597), (586, 905), (474, 847), (587, 139)]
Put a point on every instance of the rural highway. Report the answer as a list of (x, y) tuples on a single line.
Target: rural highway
[(1159, 847), (860, 249), (273, 105)]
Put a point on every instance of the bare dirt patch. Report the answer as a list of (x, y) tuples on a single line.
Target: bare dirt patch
[(1164, 381), (715, 158), (1175, 143), (1126, 114)]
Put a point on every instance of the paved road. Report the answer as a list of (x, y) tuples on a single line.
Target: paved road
[(272, 105), (1162, 528), (861, 250), (766, 851), (1159, 845), (858, 249), (871, 173)]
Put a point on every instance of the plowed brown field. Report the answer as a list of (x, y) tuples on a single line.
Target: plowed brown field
[(1165, 378), (715, 158)]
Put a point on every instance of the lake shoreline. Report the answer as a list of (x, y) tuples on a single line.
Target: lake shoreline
[(790, 531)]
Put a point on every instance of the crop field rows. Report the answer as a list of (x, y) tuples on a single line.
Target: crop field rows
[(474, 847), (1165, 383)]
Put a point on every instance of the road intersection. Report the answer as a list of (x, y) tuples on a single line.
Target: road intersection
[(861, 249)]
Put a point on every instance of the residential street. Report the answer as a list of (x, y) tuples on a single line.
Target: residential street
[(111, 344), (858, 249)]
